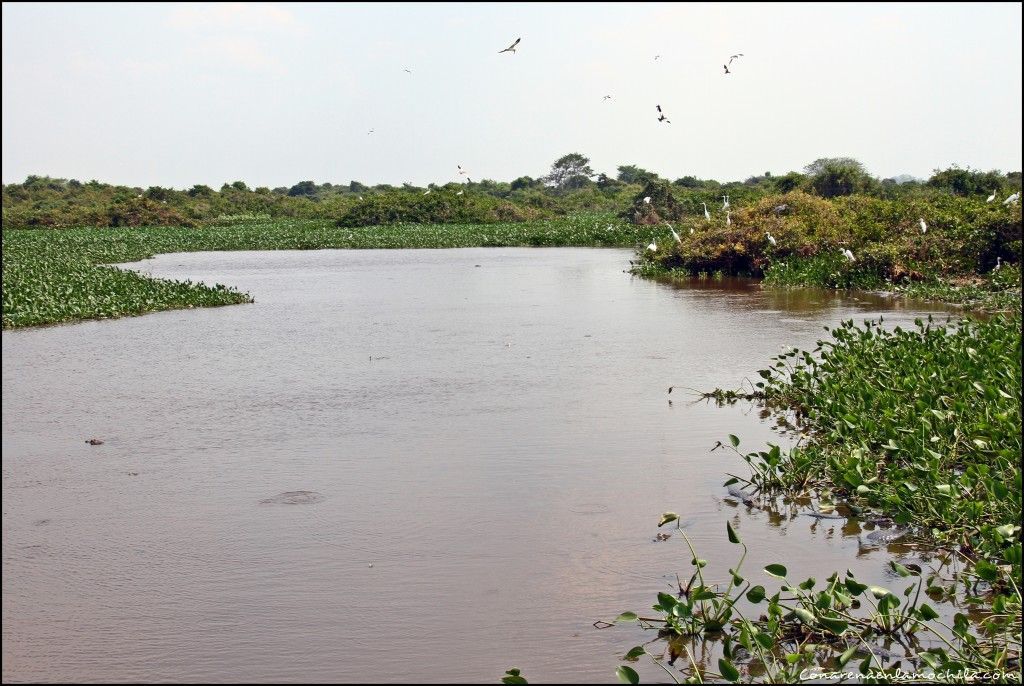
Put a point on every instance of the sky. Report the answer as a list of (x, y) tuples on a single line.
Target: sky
[(180, 94)]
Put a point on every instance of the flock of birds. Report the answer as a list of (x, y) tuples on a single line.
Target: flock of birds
[(653, 247)]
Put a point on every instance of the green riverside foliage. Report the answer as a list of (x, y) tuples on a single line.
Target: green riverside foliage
[(924, 425), (57, 276), (967, 241)]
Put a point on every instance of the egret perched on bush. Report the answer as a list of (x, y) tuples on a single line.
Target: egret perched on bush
[(647, 200), (999, 263), (728, 218), (707, 215), (847, 254), (771, 238), (674, 234), (653, 247), (725, 202), (1012, 199), (924, 227), (991, 197), (426, 192)]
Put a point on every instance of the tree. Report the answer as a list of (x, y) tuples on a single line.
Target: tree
[(356, 187), (629, 173), (788, 182), (965, 181), (240, 186), (570, 172), (835, 176), (303, 188), (524, 182)]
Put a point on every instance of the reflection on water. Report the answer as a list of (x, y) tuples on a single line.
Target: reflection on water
[(394, 466)]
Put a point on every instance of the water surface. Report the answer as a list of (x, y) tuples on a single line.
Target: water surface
[(394, 466)]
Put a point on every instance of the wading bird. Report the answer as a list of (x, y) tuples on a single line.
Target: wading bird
[(924, 227), (1012, 199), (511, 48), (674, 234), (771, 238), (707, 215), (991, 197), (847, 254), (728, 218), (725, 202), (647, 200), (426, 192), (653, 247), (459, 193), (779, 209), (999, 263)]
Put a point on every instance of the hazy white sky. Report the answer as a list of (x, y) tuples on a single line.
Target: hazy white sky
[(175, 95)]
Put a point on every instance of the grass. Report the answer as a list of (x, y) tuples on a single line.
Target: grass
[(52, 276)]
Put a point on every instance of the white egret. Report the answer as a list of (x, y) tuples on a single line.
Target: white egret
[(924, 226), (728, 218), (674, 234), (426, 192), (653, 247), (707, 215), (847, 254), (999, 263), (511, 48), (1012, 199), (991, 197), (725, 202), (771, 238), (691, 230), (647, 200), (462, 172), (459, 193)]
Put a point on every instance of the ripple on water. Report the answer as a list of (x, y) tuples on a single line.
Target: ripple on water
[(294, 498)]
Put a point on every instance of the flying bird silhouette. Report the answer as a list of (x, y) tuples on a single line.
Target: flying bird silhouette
[(607, 97), (511, 48), (407, 71), (661, 115)]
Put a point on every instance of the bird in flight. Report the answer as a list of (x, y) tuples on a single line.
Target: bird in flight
[(511, 48), (407, 71), (726, 68), (369, 132), (731, 58), (657, 57), (462, 172), (607, 97), (661, 115)]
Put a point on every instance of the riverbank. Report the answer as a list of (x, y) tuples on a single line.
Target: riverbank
[(55, 276)]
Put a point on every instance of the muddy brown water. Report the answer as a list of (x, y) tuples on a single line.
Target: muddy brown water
[(394, 466)]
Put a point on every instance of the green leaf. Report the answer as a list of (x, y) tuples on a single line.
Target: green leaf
[(627, 675), (667, 517), (734, 440), (666, 601), (836, 626), (626, 617), (514, 680), (776, 570), (756, 594), (727, 670), (927, 612), (986, 570), (805, 616), (847, 655), (634, 654), (733, 538)]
